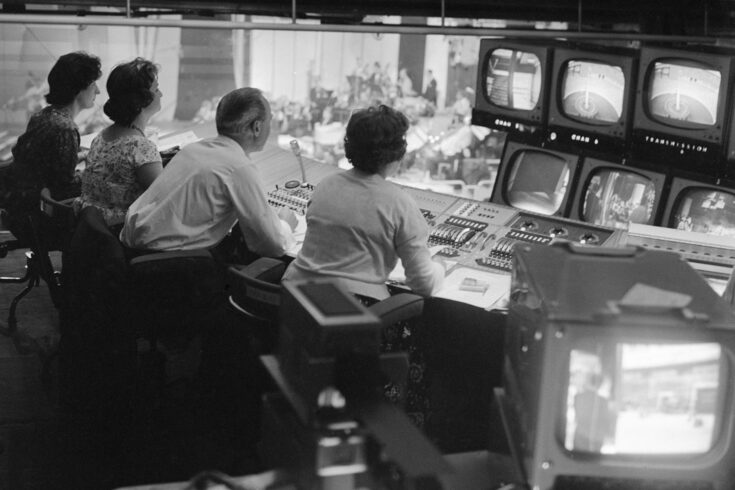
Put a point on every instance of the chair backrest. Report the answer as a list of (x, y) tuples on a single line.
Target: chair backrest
[(182, 280), (94, 265), (55, 223), (151, 295), (5, 195), (5, 171), (255, 289)]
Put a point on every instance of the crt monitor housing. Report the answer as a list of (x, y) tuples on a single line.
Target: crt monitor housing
[(591, 100), (606, 387), (612, 194), (701, 205), (512, 86), (682, 106), (535, 179)]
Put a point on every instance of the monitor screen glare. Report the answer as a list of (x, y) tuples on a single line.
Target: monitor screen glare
[(648, 399), (593, 92), (684, 93), (538, 182), (705, 211), (617, 198), (513, 79)]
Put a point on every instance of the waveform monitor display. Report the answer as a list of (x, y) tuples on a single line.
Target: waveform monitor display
[(593, 92), (684, 93), (514, 79)]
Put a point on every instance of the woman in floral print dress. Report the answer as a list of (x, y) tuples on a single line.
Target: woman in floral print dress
[(122, 161)]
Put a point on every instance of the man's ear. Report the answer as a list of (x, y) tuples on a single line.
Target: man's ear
[(257, 126)]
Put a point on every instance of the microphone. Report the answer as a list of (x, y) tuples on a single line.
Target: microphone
[(296, 149)]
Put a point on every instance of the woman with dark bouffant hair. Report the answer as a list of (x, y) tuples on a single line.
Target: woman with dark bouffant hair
[(47, 154), (359, 224), (122, 161)]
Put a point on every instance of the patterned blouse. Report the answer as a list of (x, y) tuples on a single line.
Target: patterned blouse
[(45, 156), (109, 180)]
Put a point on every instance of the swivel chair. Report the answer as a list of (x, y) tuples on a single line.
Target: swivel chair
[(255, 294), (115, 297), (41, 231)]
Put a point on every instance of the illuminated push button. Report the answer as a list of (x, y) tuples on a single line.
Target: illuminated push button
[(529, 225), (589, 239), (558, 231)]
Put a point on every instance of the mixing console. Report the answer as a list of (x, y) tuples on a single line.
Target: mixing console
[(481, 235), (475, 234), (293, 194)]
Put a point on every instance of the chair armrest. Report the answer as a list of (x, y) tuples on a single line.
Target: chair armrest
[(265, 269), (397, 308), (257, 286), (176, 279)]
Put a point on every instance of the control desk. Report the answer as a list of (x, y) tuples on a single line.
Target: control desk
[(475, 238)]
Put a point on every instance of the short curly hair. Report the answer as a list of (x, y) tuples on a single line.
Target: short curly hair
[(72, 73), (375, 137), (129, 89)]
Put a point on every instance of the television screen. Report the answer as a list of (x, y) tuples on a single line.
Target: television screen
[(643, 398), (538, 180), (592, 98), (616, 197), (684, 93), (513, 86), (513, 78), (593, 92), (705, 210), (682, 103)]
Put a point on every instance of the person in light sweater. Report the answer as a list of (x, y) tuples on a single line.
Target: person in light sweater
[(358, 224)]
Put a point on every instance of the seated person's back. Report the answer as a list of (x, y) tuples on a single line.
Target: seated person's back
[(122, 162), (359, 224), (47, 154), (212, 184)]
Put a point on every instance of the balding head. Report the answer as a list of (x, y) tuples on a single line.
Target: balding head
[(239, 109)]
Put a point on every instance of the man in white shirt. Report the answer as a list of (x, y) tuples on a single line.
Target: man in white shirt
[(212, 184)]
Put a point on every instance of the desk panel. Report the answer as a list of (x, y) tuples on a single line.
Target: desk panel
[(474, 238)]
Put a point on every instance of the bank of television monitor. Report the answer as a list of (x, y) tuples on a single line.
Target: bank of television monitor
[(535, 179), (612, 194), (701, 205), (682, 106), (512, 86), (591, 101)]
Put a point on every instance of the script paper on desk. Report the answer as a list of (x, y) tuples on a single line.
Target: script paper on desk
[(180, 140), (498, 288)]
